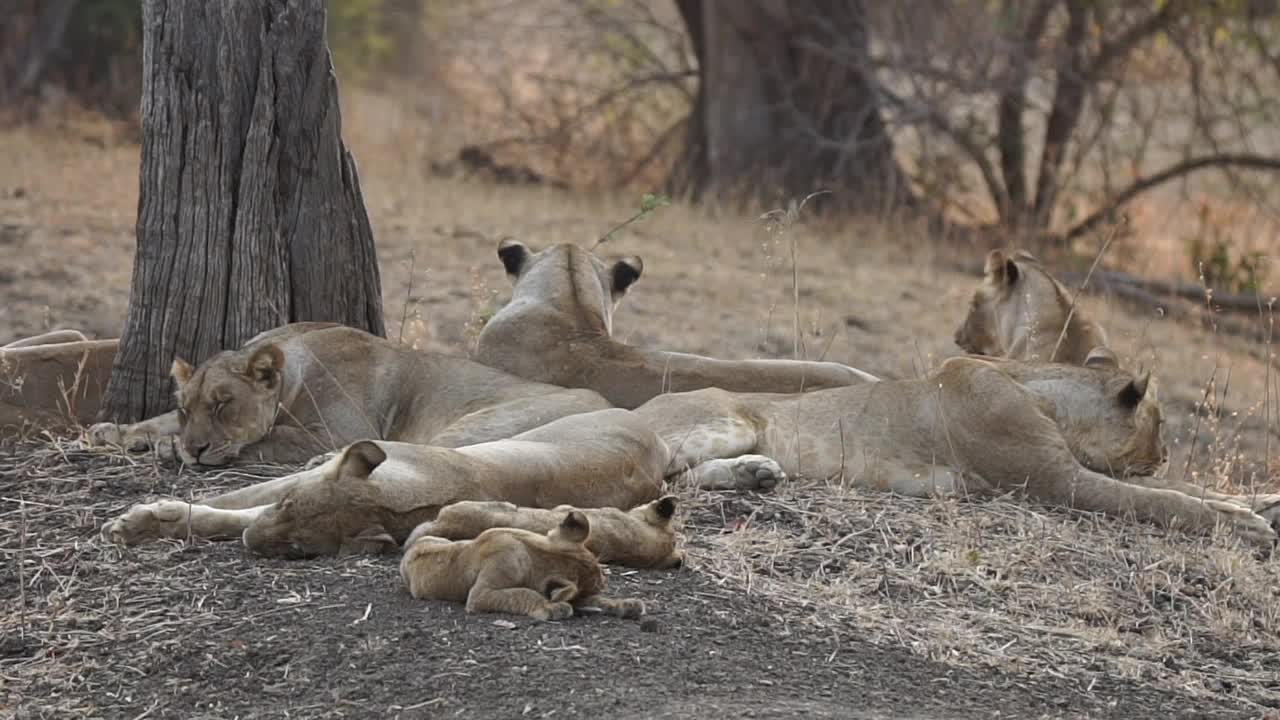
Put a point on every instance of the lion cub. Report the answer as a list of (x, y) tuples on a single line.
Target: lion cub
[(514, 571), (641, 537)]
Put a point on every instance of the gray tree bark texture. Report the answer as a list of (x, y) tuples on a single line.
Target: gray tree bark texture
[(787, 104), (250, 214)]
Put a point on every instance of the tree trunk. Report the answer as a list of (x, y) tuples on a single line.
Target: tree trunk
[(37, 34), (787, 104), (250, 214)]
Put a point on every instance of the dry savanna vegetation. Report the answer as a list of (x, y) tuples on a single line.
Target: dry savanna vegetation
[(813, 597)]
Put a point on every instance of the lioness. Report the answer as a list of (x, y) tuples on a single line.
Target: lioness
[(1019, 311), (558, 329), (973, 425), (515, 571), (371, 496), (53, 379), (641, 537), (307, 388)]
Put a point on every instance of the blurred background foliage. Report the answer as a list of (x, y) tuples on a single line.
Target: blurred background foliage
[(99, 57), (1038, 121)]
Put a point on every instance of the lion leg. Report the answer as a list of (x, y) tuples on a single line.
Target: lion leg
[(53, 337), (713, 455), (177, 519), (1259, 502), (562, 590), (628, 608), (1091, 491), (264, 493), (138, 436), (517, 601), (745, 472)]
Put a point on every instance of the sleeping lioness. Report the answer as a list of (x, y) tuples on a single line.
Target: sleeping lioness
[(1019, 311), (371, 496), (1060, 433), (544, 576), (303, 389), (558, 328)]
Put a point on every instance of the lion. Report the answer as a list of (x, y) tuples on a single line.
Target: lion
[(296, 391), (1019, 311), (53, 380), (558, 329), (371, 496), (1060, 433), (544, 576), (641, 537)]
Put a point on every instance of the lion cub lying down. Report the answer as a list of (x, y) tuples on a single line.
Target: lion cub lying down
[(514, 571), (641, 537)]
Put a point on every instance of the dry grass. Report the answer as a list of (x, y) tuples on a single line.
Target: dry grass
[(996, 584), (1005, 585), (83, 625)]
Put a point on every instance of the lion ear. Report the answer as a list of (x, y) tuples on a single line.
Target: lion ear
[(1000, 269), (360, 459), (624, 274), (665, 507), (513, 255), (181, 371), (1133, 391), (575, 528), (1100, 358), (374, 540), (265, 366)]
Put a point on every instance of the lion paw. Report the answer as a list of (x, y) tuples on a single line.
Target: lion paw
[(553, 611), (167, 450), (152, 521), (1249, 525), (630, 608), (757, 472), (110, 434)]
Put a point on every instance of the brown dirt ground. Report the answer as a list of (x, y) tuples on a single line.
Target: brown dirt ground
[(812, 602), (201, 630)]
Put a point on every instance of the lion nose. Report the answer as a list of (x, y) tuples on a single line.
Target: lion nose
[(195, 451)]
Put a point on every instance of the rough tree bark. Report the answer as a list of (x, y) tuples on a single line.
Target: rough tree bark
[(250, 213), (787, 104)]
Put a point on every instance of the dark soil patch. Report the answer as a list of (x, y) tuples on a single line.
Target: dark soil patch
[(203, 630)]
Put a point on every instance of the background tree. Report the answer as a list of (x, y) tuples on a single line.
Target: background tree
[(31, 33), (250, 213), (787, 103)]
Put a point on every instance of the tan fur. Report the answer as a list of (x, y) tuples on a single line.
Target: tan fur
[(307, 388), (641, 537), (558, 329), (544, 576), (1018, 312), (53, 380), (371, 496), (1062, 433)]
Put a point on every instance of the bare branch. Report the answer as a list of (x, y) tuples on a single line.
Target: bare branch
[(962, 140), (1013, 100), (1068, 101), (1177, 170), (1125, 42)]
